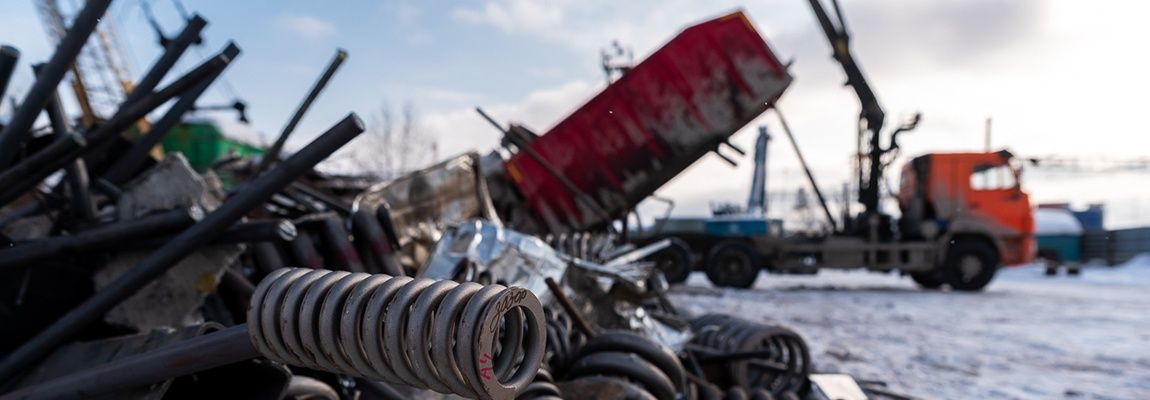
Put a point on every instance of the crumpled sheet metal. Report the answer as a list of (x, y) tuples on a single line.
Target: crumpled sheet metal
[(508, 257), (423, 202), (480, 250)]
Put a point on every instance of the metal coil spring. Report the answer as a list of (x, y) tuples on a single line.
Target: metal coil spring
[(468, 339), (563, 340), (784, 369), (712, 392), (542, 388), (620, 354)]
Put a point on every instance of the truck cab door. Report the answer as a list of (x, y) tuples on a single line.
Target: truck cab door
[(996, 194)]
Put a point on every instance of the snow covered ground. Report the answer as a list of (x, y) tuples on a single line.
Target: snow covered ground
[(1026, 337)]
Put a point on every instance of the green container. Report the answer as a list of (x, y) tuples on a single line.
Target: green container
[(203, 144)]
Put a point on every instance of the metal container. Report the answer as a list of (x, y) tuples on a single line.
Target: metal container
[(672, 108)]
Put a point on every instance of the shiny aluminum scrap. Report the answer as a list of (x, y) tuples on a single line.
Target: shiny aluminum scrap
[(422, 202), (484, 252)]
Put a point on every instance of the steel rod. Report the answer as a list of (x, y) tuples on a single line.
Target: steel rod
[(19, 128), (99, 238), (249, 232), (24, 176), (76, 173), (122, 170), (8, 57), (806, 168), (172, 53), (338, 250), (273, 153), (570, 308), (369, 234), (178, 359), (266, 257), (332, 203)]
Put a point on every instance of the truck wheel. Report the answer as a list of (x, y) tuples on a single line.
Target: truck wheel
[(930, 280), (732, 264), (970, 265), (674, 261)]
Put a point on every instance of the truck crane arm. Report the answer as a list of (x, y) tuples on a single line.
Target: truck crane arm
[(839, 39)]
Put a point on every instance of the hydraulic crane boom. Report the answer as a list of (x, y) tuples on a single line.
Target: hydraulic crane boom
[(872, 113)]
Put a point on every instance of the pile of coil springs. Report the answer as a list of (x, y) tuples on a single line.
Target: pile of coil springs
[(627, 365)]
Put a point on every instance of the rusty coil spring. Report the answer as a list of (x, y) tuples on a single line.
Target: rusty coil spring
[(468, 339), (542, 388), (650, 366), (783, 368)]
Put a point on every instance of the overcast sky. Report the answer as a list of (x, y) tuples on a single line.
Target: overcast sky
[(1059, 77)]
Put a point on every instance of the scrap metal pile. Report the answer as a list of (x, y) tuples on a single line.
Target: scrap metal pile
[(127, 277)]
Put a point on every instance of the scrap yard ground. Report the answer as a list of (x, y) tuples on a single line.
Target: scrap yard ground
[(1025, 337)]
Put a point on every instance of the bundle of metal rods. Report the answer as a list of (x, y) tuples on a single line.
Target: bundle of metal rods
[(67, 221)]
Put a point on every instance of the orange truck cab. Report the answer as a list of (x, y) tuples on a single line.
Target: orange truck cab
[(969, 200)]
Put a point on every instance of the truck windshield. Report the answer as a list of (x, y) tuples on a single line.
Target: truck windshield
[(993, 177)]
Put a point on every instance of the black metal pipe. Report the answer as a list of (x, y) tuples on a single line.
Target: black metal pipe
[(163, 259), (304, 253), (24, 176), (384, 216), (182, 358), (266, 256), (123, 168), (8, 57), (172, 52), (129, 113), (19, 128), (278, 230), (332, 203), (273, 153), (76, 173), (339, 251), (235, 281), (101, 237), (377, 250)]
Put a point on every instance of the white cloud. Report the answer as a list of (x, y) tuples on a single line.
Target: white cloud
[(515, 16), (462, 129), (306, 27)]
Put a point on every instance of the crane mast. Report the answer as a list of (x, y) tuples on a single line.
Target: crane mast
[(100, 77), (871, 117)]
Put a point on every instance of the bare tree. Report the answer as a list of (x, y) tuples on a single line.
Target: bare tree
[(390, 148)]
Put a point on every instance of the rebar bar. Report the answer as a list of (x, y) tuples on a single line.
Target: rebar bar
[(19, 128)]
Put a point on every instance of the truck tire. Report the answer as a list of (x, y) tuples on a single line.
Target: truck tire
[(970, 264), (674, 261), (930, 280), (732, 264)]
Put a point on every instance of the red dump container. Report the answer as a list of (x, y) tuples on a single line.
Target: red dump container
[(651, 124)]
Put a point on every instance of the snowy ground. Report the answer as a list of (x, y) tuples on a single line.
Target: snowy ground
[(1025, 337)]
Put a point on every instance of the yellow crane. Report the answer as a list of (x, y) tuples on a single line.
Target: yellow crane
[(100, 77)]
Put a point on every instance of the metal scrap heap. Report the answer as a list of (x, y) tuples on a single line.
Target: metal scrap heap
[(131, 277)]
